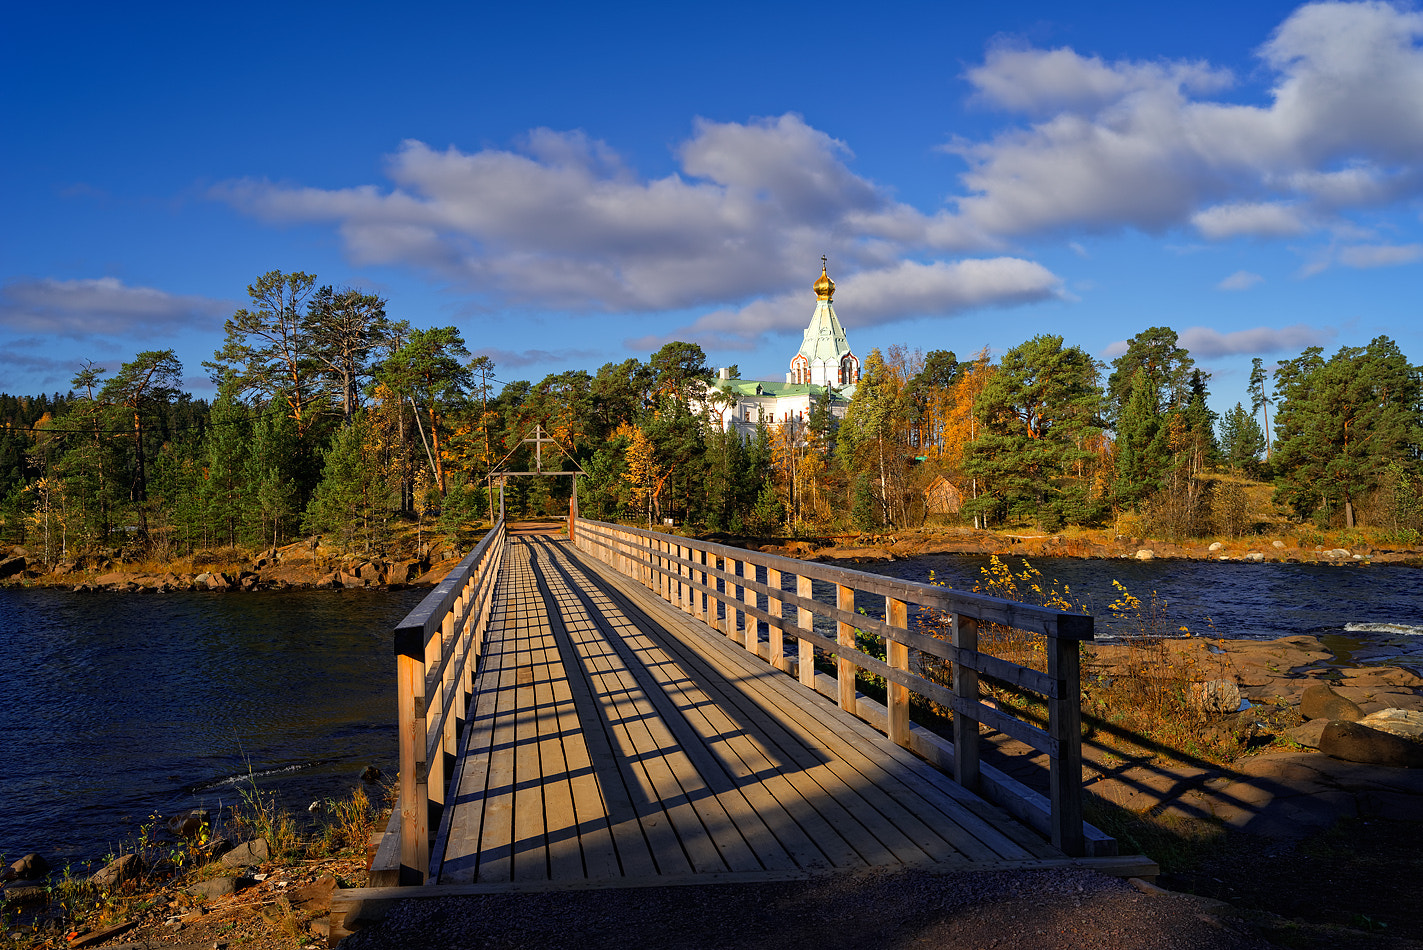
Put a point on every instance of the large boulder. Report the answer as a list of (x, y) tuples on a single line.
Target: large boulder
[(1321, 702), (32, 867), (1406, 723), (10, 566), (1354, 742), (218, 887), (123, 868), (247, 854), (188, 824)]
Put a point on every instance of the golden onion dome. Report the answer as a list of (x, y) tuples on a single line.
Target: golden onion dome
[(824, 287)]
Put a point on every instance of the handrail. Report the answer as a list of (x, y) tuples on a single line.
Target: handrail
[(437, 649), (718, 585)]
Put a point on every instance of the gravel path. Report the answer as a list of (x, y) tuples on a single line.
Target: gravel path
[(1022, 910)]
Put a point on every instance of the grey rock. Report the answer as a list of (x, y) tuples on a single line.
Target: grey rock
[(247, 853), (1145, 554), (1215, 546), (123, 868), (32, 867), (1278, 545), (1307, 734), (1321, 702), (1353, 742), (11, 566), (217, 887), (18, 894), (1255, 556), (188, 824), (1407, 723), (1336, 553)]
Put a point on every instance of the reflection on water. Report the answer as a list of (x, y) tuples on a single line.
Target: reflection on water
[(124, 705)]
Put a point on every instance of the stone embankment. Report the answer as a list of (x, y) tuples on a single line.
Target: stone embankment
[(884, 547), (307, 564)]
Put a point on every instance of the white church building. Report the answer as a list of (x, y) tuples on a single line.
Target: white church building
[(824, 361)]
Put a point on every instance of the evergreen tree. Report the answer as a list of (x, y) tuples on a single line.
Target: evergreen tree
[(1342, 422), (1037, 417), (1241, 440), (1142, 454), (1167, 366)]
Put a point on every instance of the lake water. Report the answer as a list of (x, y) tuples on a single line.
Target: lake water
[(121, 706)]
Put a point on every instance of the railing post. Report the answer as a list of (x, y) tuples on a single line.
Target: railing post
[(775, 636), (750, 626), (845, 635), (963, 632), (1065, 726), (896, 614), (805, 649), (414, 783), (699, 598)]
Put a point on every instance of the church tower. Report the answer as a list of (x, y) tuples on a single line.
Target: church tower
[(824, 358)]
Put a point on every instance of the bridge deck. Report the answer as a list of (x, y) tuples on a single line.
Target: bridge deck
[(615, 741)]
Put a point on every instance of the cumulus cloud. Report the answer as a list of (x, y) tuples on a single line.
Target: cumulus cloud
[(1133, 144), (562, 222), (1240, 280), (1207, 343), (1380, 255), (103, 306), (1268, 219), (903, 290)]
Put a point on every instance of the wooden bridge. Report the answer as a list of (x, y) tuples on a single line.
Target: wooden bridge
[(632, 708)]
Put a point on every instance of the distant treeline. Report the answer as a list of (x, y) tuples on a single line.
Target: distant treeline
[(332, 417)]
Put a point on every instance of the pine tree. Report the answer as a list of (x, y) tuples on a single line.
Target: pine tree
[(1241, 440)]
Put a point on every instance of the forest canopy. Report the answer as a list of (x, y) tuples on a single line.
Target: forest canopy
[(332, 416)]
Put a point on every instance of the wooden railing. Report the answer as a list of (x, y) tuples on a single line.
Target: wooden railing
[(741, 592), (437, 648)]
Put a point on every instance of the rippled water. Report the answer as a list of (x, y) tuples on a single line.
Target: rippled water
[(121, 706), (1370, 613)]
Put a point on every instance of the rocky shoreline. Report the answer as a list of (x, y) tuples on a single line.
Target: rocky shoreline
[(303, 565), (1284, 548)]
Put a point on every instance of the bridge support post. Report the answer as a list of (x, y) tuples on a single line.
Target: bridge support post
[(896, 614), (964, 635), (1065, 726), (806, 650), (775, 636), (845, 635), (414, 781)]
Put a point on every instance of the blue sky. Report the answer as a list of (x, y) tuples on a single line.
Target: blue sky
[(574, 185)]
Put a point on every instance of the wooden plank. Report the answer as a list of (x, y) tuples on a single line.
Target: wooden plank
[(1065, 726), (560, 818), (909, 772), (496, 845), (696, 772), (845, 795), (612, 705), (733, 780), (964, 631), (632, 837)]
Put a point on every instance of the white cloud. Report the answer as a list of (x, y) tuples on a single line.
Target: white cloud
[(1380, 255), (103, 306), (1267, 219), (1205, 342), (900, 291), (563, 223), (1240, 280), (1132, 144)]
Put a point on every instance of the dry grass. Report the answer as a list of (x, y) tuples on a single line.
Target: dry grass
[(1142, 700)]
